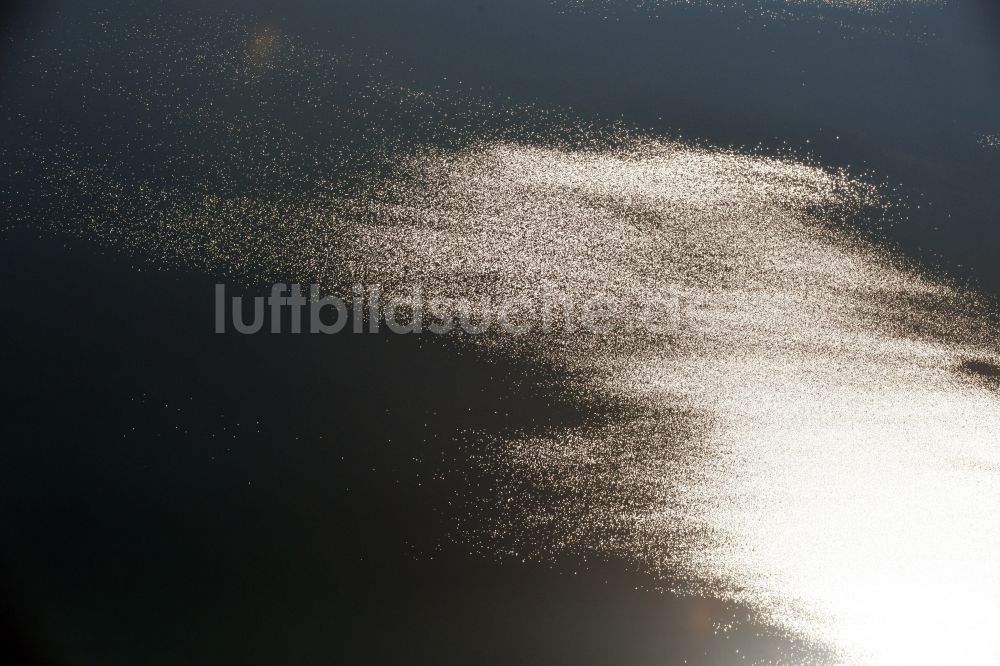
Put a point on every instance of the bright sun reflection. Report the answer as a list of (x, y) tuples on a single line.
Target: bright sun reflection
[(844, 480)]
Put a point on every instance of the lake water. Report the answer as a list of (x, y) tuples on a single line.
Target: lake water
[(804, 471)]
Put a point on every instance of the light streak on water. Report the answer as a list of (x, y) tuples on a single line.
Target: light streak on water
[(814, 445)]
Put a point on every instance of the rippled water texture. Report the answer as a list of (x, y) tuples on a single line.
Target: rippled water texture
[(750, 5), (818, 440)]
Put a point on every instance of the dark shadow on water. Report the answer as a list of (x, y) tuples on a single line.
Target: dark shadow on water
[(983, 370), (169, 495)]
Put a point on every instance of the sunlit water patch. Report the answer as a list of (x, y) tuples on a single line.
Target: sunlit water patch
[(810, 444)]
